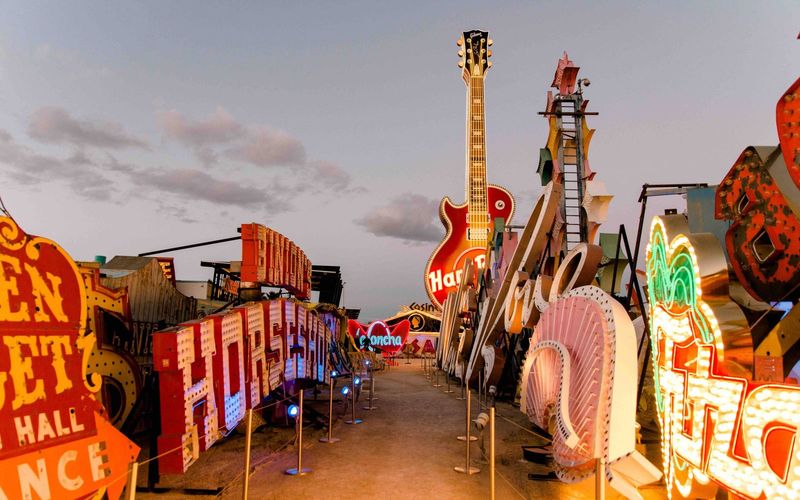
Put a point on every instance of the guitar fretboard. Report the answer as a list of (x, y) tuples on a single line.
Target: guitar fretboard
[(476, 191)]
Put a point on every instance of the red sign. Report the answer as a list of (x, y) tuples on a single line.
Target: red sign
[(271, 259), (719, 426), (56, 441), (469, 225), (379, 335), (211, 370)]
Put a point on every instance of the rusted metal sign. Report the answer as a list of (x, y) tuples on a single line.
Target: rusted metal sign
[(56, 439)]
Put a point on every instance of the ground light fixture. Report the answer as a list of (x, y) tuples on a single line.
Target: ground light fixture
[(296, 412), (345, 390)]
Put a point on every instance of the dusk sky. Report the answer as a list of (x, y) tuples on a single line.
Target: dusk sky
[(128, 127)]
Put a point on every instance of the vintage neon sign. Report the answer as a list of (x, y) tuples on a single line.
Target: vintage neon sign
[(469, 225), (379, 335), (211, 370), (121, 374), (56, 439), (760, 195), (531, 244), (579, 375), (271, 259), (719, 428)]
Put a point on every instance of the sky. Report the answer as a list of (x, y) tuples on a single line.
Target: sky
[(130, 127)]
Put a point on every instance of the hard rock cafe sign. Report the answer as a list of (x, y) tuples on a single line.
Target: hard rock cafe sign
[(55, 441), (469, 225)]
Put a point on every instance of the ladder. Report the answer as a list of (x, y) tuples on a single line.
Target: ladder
[(569, 115)]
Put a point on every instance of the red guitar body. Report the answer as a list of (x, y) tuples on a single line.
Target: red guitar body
[(443, 272)]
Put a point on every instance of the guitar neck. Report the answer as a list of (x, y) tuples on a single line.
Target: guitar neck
[(476, 191)]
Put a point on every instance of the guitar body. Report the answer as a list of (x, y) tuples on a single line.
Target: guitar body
[(443, 271)]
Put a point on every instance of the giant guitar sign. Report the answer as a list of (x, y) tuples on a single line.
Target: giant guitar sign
[(55, 441), (468, 225)]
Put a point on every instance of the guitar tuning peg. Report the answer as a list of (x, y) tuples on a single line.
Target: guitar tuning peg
[(460, 53), (460, 64), (490, 42), (460, 42), (489, 64), (488, 53)]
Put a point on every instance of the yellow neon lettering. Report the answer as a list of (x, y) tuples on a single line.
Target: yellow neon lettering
[(43, 294), (61, 346), (8, 289), (21, 370)]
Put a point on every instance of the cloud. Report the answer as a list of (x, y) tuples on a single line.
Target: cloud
[(218, 127), (27, 167), (259, 146), (265, 147), (196, 185), (409, 217), (88, 178), (55, 125), (330, 176)]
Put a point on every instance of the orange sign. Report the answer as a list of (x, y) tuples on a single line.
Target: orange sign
[(272, 259), (55, 440), (719, 426)]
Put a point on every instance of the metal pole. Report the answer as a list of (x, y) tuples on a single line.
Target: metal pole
[(480, 386), (436, 383), (491, 453), (299, 471), (247, 445), (461, 383), (447, 378), (600, 479), (193, 245), (131, 494), (371, 389), (643, 201), (467, 469), (330, 439), (353, 420)]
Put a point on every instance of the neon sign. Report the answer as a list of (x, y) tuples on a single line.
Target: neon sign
[(378, 334), (580, 373), (56, 441), (272, 259), (718, 426), (211, 370)]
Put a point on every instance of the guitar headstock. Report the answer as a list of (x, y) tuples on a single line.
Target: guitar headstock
[(474, 53)]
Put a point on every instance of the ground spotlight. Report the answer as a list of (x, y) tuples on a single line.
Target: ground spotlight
[(293, 411), (357, 381), (334, 373), (345, 390)]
